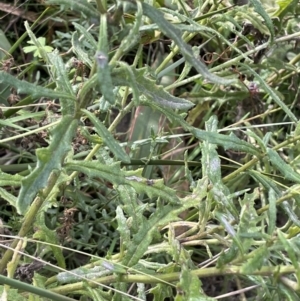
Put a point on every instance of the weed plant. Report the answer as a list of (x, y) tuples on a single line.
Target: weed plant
[(149, 150)]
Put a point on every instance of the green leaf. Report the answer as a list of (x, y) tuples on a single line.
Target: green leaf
[(80, 53), (87, 35), (10, 180), (122, 226), (285, 169), (36, 50), (248, 220), (131, 207), (146, 86), (272, 211), (230, 230), (161, 292), (11, 199), (265, 181), (228, 142), (107, 137), (257, 258), (284, 7), (290, 212), (175, 34), (113, 174), (12, 294), (143, 238), (260, 10), (272, 93), (81, 6), (103, 69), (291, 249), (48, 160), (42, 233), (133, 36), (32, 89)]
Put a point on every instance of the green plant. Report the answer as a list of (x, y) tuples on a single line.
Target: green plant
[(106, 211)]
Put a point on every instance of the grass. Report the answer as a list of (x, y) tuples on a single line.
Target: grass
[(150, 151)]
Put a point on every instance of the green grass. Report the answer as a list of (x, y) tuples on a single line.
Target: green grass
[(150, 151)]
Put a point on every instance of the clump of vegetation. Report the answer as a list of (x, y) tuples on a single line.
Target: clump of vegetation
[(149, 150)]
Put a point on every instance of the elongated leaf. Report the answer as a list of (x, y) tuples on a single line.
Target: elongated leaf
[(290, 212), (123, 226), (113, 173), (230, 230), (11, 199), (59, 73), (148, 88), (291, 249), (228, 142), (87, 36), (133, 35), (272, 93), (175, 34), (284, 7), (261, 11), (265, 181), (144, 237), (285, 169), (80, 53), (81, 6), (103, 69), (131, 207), (272, 211), (31, 89), (248, 219), (108, 138), (44, 234), (48, 159)]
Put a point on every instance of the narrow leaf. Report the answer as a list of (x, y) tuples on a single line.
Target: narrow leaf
[(272, 211), (103, 69), (81, 6), (272, 93), (175, 34), (292, 250), (11, 199), (32, 89), (285, 169), (261, 11), (108, 138), (87, 36)]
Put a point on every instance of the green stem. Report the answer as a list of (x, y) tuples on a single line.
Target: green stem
[(28, 220), (33, 289), (174, 277)]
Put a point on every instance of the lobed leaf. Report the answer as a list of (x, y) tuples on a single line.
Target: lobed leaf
[(146, 86), (31, 89), (48, 160), (143, 238)]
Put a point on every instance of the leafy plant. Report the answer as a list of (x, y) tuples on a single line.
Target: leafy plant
[(119, 177)]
